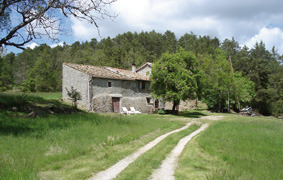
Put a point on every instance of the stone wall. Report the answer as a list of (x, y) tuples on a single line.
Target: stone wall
[(79, 81), (128, 91), (122, 87), (145, 70), (139, 103), (102, 103), (184, 105)]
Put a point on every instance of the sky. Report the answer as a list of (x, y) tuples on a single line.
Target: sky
[(248, 21)]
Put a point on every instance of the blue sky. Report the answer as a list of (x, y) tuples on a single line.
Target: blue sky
[(248, 21)]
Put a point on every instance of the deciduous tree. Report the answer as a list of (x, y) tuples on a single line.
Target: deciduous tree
[(44, 17), (170, 78)]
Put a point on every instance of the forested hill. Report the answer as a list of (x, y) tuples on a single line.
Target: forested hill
[(40, 69)]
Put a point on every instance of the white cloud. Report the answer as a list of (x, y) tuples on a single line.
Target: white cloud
[(31, 45), (83, 30), (246, 21), (146, 14), (56, 44), (270, 36)]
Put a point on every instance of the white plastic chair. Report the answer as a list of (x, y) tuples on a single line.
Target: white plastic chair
[(134, 111), (125, 111)]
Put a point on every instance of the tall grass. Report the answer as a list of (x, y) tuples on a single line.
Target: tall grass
[(240, 148), (31, 145), (70, 146), (23, 101)]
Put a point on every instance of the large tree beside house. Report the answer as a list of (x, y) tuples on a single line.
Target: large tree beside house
[(174, 77)]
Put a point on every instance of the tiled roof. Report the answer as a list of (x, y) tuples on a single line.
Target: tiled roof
[(147, 63), (107, 72)]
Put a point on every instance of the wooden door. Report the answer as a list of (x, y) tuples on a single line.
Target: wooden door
[(156, 104), (116, 104)]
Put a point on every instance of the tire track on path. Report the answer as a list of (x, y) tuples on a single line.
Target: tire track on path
[(117, 168), (167, 168)]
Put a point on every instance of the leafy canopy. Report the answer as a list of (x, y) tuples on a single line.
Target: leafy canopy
[(173, 76)]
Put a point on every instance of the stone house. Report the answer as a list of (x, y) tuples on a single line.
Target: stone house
[(107, 89)]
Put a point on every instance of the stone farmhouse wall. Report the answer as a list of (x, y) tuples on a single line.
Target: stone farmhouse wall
[(128, 91), (145, 70), (184, 105), (97, 96), (79, 81)]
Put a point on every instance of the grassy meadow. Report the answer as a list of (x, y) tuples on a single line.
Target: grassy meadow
[(70, 146), (62, 143), (235, 148)]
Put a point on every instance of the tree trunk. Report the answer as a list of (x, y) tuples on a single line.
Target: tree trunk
[(197, 102), (175, 103), (239, 105), (174, 106), (228, 109)]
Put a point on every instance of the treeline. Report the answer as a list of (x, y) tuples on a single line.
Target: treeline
[(258, 72)]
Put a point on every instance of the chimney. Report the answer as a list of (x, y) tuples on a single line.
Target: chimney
[(133, 67)]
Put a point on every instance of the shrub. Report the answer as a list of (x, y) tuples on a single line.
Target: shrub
[(74, 95)]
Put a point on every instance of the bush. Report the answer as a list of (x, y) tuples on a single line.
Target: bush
[(74, 95), (160, 111)]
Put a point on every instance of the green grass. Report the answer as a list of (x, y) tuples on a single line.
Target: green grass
[(236, 148), (59, 145), (77, 145), (67, 146), (143, 167), (47, 95), (44, 95), (22, 104)]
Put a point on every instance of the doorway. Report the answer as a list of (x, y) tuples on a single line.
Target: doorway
[(116, 104)]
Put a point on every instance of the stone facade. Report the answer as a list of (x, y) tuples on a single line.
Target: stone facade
[(129, 92), (184, 105), (145, 69), (79, 81), (131, 88)]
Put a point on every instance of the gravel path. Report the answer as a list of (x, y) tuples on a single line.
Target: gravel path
[(166, 170), (114, 170)]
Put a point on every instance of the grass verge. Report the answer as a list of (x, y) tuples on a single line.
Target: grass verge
[(236, 148)]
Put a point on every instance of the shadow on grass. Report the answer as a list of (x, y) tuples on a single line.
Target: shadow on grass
[(191, 114), (23, 103), (38, 126), (14, 130)]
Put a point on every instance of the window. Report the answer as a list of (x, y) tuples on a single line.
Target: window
[(141, 84), (149, 100), (109, 84)]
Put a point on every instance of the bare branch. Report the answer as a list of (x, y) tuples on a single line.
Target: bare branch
[(39, 18)]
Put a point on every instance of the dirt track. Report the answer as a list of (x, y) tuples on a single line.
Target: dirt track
[(114, 170), (166, 170)]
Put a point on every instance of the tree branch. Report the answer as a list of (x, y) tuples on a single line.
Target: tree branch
[(39, 17)]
